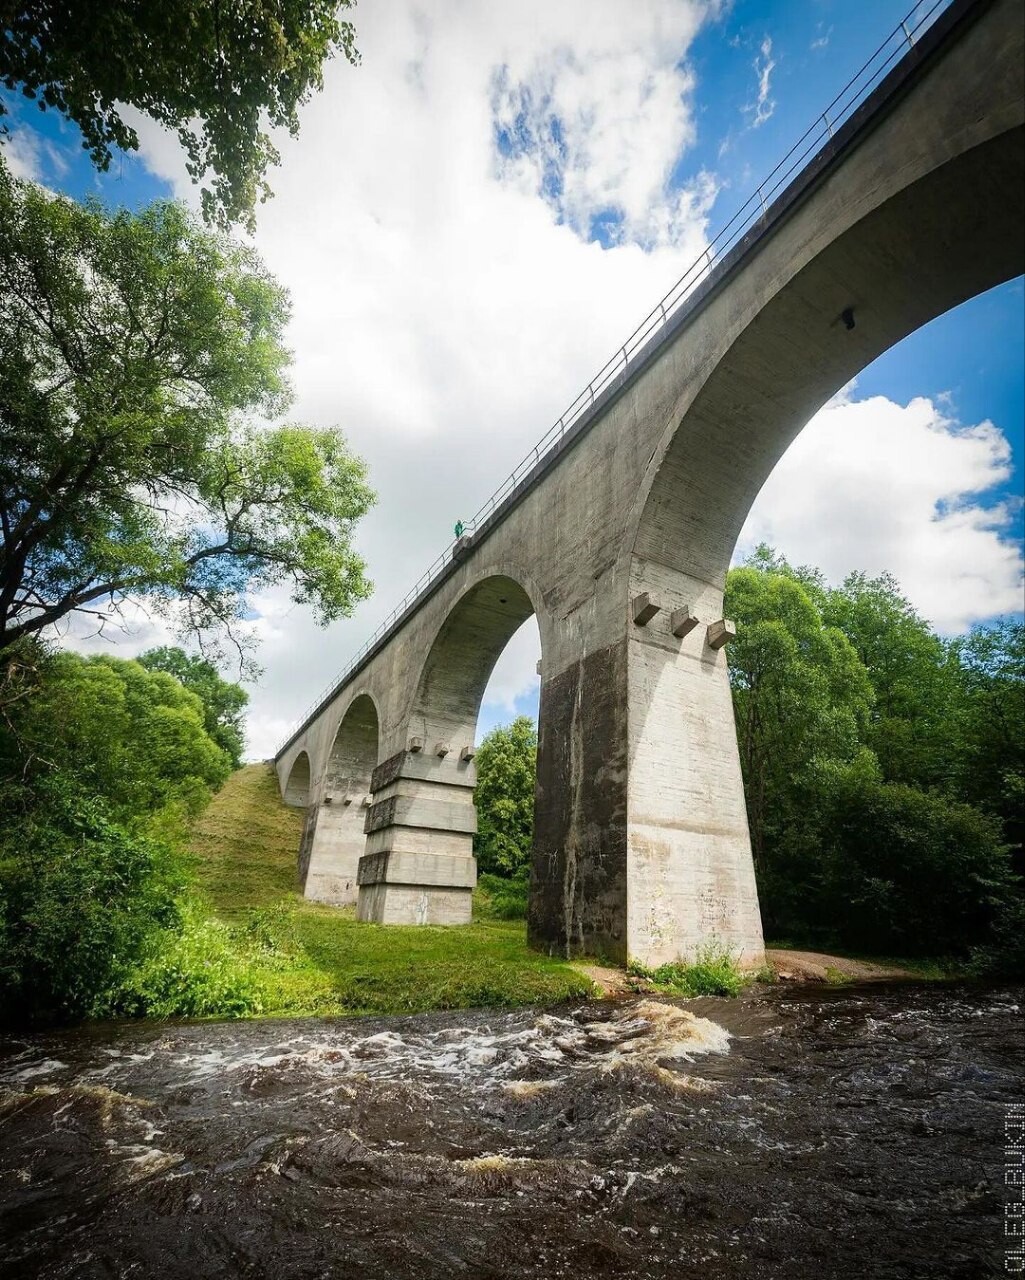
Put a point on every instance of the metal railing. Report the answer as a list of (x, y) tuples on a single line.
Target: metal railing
[(843, 106)]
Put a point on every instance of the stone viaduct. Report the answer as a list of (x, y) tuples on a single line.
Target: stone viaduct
[(619, 540)]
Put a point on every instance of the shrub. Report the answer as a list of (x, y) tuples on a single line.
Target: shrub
[(194, 971), (80, 899), (908, 872), (713, 972), (503, 898)]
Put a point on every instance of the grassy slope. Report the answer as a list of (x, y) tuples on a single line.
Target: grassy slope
[(317, 959)]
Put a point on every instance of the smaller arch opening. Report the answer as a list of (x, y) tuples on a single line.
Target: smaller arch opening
[(297, 788), (463, 657), (335, 840)]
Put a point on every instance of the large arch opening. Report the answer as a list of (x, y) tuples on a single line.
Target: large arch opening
[(331, 851), (946, 238), (297, 788)]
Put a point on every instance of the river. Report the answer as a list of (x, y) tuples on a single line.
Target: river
[(808, 1132)]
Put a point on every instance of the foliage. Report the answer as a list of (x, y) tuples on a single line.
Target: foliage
[(910, 870), (224, 703), (214, 73), (131, 346), (102, 764), (79, 899), (992, 744), (882, 765), (506, 764), (713, 972), (192, 971), (502, 897), (133, 737), (801, 697)]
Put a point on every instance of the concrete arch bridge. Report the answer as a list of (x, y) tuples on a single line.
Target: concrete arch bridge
[(619, 538)]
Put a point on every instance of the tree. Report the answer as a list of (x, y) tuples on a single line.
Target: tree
[(131, 349), (224, 703), (506, 768), (914, 728), (991, 662), (213, 71), (801, 698), (134, 738)]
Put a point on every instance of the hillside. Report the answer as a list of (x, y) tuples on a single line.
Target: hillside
[(317, 959)]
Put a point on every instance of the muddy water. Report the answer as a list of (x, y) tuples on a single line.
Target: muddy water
[(792, 1133)]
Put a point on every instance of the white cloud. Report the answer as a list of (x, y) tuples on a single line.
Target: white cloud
[(875, 485), (23, 152), (763, 106)]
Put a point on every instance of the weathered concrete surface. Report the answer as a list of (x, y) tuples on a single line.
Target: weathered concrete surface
[(641, 845)]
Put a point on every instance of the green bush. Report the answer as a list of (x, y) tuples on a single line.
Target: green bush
[(713, 972), (80, 899), (502, 897), (907, 872), (193, 971)]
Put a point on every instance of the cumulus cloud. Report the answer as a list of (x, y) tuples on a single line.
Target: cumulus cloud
[(875, 485)]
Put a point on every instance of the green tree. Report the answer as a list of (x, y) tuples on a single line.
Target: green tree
[(102, 764), (133, 737), (802, 700), (992, 748), (224, 703), (915, 726), (131, 349), (506, 769), (215, 72)]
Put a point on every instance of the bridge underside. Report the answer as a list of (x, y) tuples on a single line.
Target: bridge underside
[(621, 547)]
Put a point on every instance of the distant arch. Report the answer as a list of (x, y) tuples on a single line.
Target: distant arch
[(469, 642), (297, 788), (334, 840)]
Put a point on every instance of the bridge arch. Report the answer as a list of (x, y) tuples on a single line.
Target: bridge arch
[(924, 249), (920, 253), (297, 788), (446, 703), (333, 840)]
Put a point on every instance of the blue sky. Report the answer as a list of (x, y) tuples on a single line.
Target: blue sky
[(471, 167)]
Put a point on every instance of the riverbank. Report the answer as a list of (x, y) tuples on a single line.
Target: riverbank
[(310, 959)]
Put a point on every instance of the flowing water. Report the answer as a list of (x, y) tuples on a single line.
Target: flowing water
[(808, 1132)]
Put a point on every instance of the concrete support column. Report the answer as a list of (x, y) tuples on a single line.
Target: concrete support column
[(641, 846), (578, 886), (333, 843), (418, 867), (690, 869)]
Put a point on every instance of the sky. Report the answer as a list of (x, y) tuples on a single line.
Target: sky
[(476, 217)]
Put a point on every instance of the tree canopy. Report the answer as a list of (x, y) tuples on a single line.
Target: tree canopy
[(138, 356), (224, 703), (881, 763), (215, 71)]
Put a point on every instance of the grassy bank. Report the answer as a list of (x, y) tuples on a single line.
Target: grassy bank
[(311, 959)]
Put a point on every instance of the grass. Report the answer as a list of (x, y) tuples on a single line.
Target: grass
[(313, 959), (713, 972)]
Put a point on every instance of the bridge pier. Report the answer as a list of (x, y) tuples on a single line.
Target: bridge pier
[(418, 866)]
